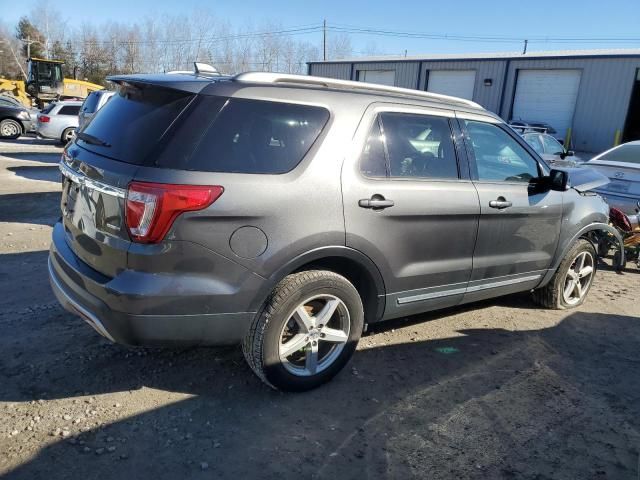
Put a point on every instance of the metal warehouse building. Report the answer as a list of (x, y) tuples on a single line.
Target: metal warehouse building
[(593, 96)]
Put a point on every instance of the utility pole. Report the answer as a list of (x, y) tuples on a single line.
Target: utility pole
[(324, 40), (28, 47), (526, 42)]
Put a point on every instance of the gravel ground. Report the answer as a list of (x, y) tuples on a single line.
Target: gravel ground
[(499, 389)]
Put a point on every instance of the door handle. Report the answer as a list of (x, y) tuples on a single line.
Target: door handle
[(376, 202), (500, 203)]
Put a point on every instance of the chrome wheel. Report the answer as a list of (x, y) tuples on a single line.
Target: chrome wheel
[(578, 279), (9, 129), (68, 135), (314, 335)]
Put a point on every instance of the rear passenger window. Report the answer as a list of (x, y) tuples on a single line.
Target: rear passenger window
[(246, 136), (419, 146), (69, 110)]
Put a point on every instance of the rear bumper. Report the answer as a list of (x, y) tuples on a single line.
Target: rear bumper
[(627, 203), (86, 293)]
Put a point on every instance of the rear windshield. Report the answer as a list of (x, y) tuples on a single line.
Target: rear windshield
[(48, 108), (243, 136), (130, 125), (90, 103), (625, 153)]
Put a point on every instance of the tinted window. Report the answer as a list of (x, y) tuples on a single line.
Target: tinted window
[(48, 108), (244, 136), (134, 121), (498, 156), (534, 141), (69, 110), (551, 145), (629, 153), (419, 146), (372, 160), (90, 103)]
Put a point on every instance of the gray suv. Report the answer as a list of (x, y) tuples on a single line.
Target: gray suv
[(288, 212)]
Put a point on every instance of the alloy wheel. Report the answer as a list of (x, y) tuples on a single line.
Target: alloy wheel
[(314, 335), (578, 278)]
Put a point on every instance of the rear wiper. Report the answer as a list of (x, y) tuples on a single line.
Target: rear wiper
[(92, 140)]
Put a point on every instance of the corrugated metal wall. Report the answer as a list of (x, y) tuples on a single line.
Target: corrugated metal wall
[(603, 97), (341, 71), (601, 107)]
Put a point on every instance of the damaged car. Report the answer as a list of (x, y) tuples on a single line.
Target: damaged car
[(286, 213)]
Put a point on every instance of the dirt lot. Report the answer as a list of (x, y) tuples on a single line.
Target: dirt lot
[(500, 389)]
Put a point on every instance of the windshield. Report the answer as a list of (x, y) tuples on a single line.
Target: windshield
[(628, 153)]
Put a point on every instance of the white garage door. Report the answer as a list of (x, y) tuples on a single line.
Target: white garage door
[(547, 96), (457, 83), (382, 77)]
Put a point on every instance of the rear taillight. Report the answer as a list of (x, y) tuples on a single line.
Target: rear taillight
[(151, 208), (43, 119)]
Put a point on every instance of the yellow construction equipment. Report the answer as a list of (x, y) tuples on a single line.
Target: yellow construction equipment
[(45, 84)]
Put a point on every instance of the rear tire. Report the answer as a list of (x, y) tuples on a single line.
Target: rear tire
[(10, 128), (306, 331), (67, 135), (569, 286)]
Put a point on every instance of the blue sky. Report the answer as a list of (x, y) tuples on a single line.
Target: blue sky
[(517, 18)]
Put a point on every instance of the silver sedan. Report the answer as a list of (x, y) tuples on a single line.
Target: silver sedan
[(622, 165)]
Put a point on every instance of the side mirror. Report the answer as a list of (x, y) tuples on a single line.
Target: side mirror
[(558, 180)]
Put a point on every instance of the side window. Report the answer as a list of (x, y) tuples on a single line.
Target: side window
[(372, 160), (498, 156), (551, 145), (534, 141), (419, 146), (69, 110)]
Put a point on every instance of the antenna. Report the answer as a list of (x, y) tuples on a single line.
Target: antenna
[(205, 69)]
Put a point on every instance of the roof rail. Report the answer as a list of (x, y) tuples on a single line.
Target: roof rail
[(267, 77)]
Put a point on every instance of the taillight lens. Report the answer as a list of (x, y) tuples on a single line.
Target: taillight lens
[(43, 119), (151, 208)]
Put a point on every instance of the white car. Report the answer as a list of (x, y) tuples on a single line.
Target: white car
[(622, 165), (59, 120)]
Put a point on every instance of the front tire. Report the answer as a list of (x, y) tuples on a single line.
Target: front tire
[(306, 332), (10, 128), (569, 286)]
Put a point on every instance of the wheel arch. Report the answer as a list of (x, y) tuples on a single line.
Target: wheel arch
[(584, 232), (352, 264)]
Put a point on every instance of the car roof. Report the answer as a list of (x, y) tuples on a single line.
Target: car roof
[(318, 86), (69, 102)]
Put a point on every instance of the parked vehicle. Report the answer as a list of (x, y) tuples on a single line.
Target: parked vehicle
[(94, 102), (629, 228), (288, 212), (59, 120), (522, 126), (15, 119), (551, 150), (622, 165)]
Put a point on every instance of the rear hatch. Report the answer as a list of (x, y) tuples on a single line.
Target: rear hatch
[(104, 158)]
